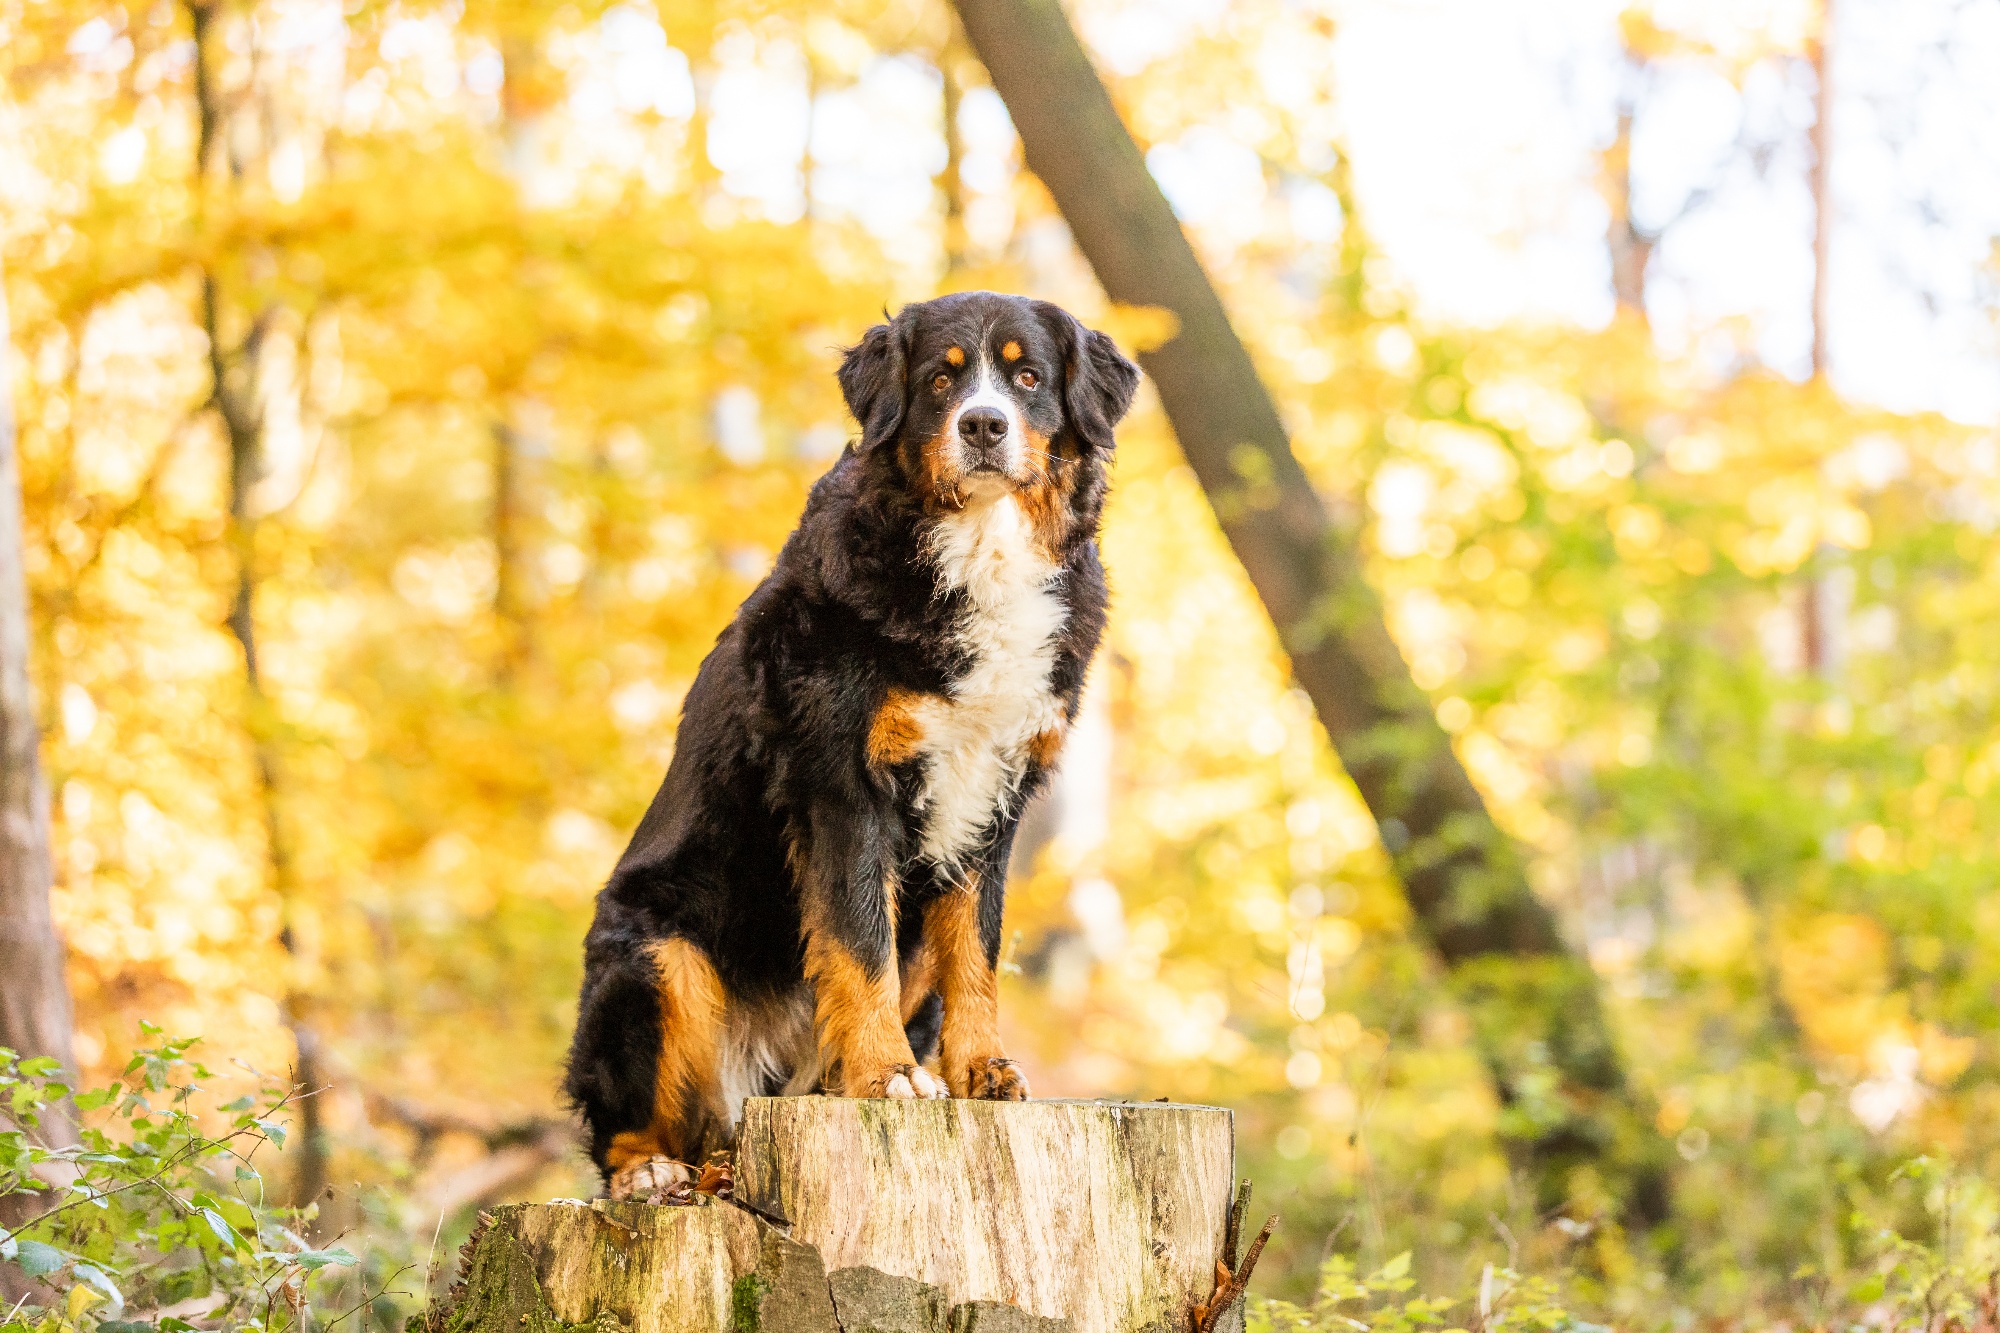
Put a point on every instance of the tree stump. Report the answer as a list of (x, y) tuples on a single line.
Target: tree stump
[(901, 1217), (1109, 1215)]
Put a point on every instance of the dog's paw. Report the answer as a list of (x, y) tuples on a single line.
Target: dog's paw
[(650, 1180), (901, 1082), (996, 1079)]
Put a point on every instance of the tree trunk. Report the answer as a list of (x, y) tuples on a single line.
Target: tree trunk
[(34, 988), (1533, 1002), (233, 394), (1815, 627), (1631, 249), (898, 1217), (1822, 180)]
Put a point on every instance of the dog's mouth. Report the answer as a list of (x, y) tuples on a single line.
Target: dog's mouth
[(986, 482)]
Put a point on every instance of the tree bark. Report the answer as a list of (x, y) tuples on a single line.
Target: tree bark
[(233, 395), (1108, 1215), (34, 987), (1822, 181), (1631, 249), (35, 1015), (1533, 1002), (904, 1217), (1815, 628), (951, 181)]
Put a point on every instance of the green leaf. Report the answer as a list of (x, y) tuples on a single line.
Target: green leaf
[(1395, 1268), (273, 1131), (239, 1215), (223, 1231), (314, 1260), (37, 1259), (8, 1246), (1867, 1291), (169, 1324), (92, 1098)]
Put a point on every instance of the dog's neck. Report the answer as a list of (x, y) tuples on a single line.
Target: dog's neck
[(988, 552)]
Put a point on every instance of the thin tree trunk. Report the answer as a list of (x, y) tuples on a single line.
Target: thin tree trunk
[(1631, 249), (233, 395), (525, 90), (1822, 183), (507, 548), (952, 182), (1814, 629), (34, 987), (1533, 1002)]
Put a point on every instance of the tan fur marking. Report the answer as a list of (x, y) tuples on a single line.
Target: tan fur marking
[(1011, 352), (965, 981), (629, 1148), (684, 1084), (940, 474), (1045, 747), (860, 1031), (919, 978), (1044, 496), (955, 355), (895, 734)]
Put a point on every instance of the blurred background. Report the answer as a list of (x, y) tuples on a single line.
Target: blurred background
[(407, 393)]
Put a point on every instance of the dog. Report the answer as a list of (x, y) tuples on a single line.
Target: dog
[(813, 899)]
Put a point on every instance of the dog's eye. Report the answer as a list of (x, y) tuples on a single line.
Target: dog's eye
[(1027, 379), (940, 382)]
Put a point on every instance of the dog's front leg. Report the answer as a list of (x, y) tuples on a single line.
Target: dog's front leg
[(848, 900), (962, 936)]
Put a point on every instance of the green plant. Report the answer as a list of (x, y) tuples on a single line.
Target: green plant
[(1345, 1302), (157, 1215), (1950, 1281)]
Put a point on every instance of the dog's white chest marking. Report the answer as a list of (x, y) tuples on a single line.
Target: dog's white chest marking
[(975, 740)]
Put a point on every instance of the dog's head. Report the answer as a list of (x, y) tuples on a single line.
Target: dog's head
[(980, 395)]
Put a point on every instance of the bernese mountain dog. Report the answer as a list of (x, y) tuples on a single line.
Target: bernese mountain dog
[(813, 899)]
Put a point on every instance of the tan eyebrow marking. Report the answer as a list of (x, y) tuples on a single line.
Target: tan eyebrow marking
[(1012, 351), (955, 355)]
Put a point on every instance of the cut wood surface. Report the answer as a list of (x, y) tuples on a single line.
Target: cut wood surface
[(1108, 1214), (901, 1217)]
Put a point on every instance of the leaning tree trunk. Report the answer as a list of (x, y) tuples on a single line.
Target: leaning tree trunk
[(1533, 1002), (891, 1217)]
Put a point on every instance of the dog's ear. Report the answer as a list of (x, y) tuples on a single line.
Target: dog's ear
[(873, 379), (1098, 382)]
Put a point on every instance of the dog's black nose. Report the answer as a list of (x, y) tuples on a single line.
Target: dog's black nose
[(983, 426)]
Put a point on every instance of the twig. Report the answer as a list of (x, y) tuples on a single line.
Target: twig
[(367, 1300), (1234, 1236), (755, 1211), (1229, 1287)]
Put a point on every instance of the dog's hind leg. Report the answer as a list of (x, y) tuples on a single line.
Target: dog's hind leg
[(688, 1115)]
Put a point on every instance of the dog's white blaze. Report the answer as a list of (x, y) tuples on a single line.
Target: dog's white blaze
[(975, 741), (990, 394)]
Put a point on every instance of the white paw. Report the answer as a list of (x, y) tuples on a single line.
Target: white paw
[(899, 1086), (927, 1084)]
